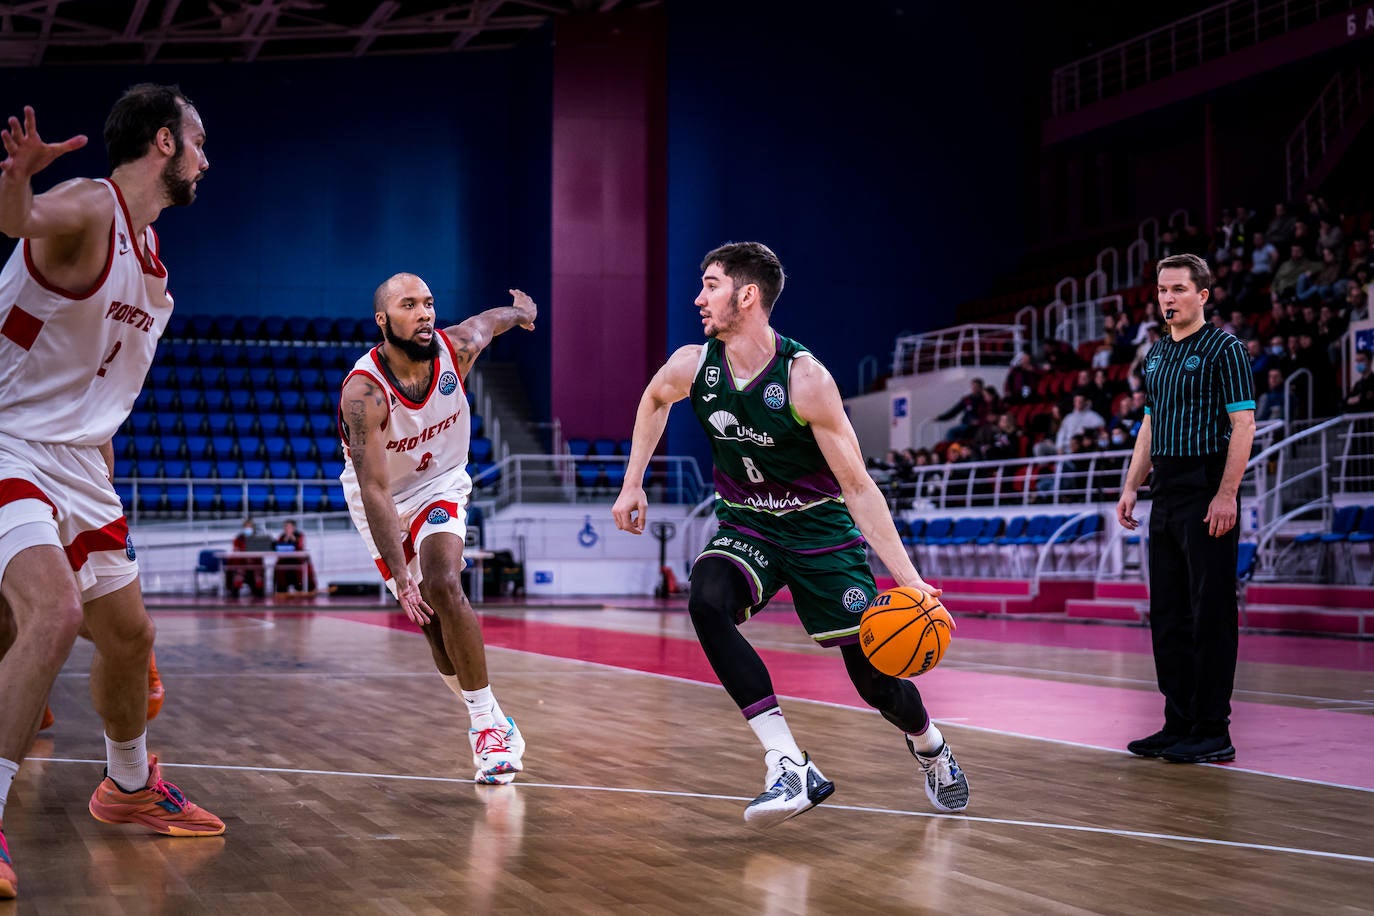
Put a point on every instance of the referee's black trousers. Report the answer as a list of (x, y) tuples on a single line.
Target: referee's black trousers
[(1193, 614)]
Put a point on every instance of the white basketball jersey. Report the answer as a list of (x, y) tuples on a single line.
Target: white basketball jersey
[(72, 362), (426, 443)]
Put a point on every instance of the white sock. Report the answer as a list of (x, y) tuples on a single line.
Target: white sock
[(928, 741), (8, 770), (775, 736), (482, 707), (127, 762)]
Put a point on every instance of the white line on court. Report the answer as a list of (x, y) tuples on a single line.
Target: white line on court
[(857, 809)]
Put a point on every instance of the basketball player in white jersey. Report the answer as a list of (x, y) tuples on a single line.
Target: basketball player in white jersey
[(83, 301), (405, 424)]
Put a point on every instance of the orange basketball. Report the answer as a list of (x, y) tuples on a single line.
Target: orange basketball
[(905, 632)]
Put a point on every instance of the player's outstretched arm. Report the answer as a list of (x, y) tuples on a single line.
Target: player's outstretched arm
[(472, 336), (69, 209), (816, 399), (363, 408), (670, 384)]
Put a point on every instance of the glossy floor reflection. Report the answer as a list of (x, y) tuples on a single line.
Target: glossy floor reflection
[(340, 764)]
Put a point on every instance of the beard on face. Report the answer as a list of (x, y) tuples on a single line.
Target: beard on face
[(414, 351), (180, 191), (726, 321)]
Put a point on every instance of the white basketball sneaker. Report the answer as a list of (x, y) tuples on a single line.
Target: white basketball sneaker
[(496, 752), (946, 785), (790, 788)]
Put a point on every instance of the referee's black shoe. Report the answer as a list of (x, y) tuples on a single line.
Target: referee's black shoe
[(1201, 749), (1156, 744)]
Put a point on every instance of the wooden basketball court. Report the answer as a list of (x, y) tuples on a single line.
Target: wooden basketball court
[(340, 764)]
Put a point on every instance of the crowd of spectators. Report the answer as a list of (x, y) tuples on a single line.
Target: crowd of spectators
[(1289, 287)]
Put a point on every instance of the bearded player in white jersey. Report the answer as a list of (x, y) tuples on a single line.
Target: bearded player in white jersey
[(83, 301), (405, 423)]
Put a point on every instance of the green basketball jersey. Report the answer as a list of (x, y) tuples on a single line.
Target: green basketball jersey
[(771, 480)]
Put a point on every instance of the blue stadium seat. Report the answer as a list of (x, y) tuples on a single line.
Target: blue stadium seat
[(303, 447), (604, 448), (200, 468), (281, 469), (477, 424), (125, 467), (222, 446), (297, 328), (579, 448), (177, 326), (144, 424), (228, 469), (203, 497), (236, 378), (162, 376), (480, 449), (177, 499), (249, 446), (150, 498), (315, 496), (145, 446), (273, 327), (166, 400), (171, 445), (588, 474), (173, 467), (196, 445), (284, 496), (241, 400), (291, 402), (332, 468), (259, 497), (231, 500), (254, 468), (199, 327), (317, 402), (125, 492)]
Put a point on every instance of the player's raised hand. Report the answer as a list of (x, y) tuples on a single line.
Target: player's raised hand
[(26, 153), (525, 308)]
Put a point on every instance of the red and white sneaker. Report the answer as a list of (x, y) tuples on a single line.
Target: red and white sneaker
[(159, 806), (496, 752)]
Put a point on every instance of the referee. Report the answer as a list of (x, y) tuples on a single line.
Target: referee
[(1198, 427)]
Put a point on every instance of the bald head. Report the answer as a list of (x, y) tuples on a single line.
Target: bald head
[(388, 290)]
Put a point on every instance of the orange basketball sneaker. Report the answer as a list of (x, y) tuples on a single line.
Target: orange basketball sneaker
[(9, 884), (156, 692), (159, 806)]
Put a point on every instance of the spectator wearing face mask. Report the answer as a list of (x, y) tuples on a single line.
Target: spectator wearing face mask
[(241, 571), (1361, 396)]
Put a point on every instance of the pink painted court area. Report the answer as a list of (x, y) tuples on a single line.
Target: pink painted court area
[(1277, 728)]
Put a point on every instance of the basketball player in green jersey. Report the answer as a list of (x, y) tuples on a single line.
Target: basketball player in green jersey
[(795, 506)]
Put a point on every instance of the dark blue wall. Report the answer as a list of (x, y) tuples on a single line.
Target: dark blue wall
[(881, 152), (328, 176)]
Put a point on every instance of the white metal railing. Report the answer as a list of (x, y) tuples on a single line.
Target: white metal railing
[(1327, 117), (1181, 45), (1076, 322), (962, 345)]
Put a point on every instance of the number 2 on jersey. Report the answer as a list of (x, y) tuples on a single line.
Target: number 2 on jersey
[(100, 373)]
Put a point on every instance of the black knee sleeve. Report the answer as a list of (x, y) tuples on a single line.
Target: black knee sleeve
[(719, 593)]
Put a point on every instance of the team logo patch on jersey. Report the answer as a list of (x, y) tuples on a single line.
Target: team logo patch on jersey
[(712, 375), (774, 397), (437, 516), (855, 600), (447, 382), (129, 547), (1191, 363), (1151, 363)]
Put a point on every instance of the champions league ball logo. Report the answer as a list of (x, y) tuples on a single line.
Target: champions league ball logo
[(447, 382), (437, 516), (773, 396), (855, 600)]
